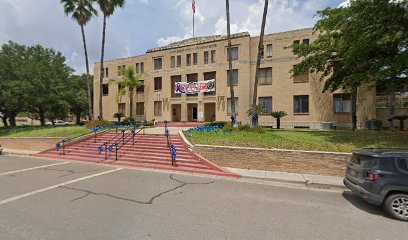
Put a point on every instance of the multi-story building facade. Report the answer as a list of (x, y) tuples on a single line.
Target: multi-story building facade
[(205, 58)]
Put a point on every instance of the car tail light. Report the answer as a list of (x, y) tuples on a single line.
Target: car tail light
[(372, 176)]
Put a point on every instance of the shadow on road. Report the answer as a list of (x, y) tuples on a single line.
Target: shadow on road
[(362, 205)]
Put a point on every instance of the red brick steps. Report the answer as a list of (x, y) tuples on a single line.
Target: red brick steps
[(149, 151)]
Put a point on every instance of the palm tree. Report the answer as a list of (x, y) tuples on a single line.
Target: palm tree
[(232, 93), (82, 11), (129, 81), (258, 64), (107, 7), (278, 115)]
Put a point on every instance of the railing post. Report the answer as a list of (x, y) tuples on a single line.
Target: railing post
[(123, 136), (106, 148), (95, 130), (116, 152), (133, 136), (63, 147)]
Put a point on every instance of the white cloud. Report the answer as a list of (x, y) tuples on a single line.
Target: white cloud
[(165, 41)]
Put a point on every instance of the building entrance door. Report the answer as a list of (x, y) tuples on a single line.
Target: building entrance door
[(176, 112), (194, 114)]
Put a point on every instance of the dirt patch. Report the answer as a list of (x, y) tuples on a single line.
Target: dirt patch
[(32, 144), (277, 161)]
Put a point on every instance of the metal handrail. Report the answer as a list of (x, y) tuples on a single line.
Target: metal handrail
[(172, 148), (134, 133), (65, 141)]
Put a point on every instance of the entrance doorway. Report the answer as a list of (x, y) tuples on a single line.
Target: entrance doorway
[(209, 112), (176, 113), (192, 112)]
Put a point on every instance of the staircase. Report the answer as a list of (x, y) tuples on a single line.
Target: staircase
[(149, 151)]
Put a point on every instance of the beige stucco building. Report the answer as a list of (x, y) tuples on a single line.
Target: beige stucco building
[(205, 58)]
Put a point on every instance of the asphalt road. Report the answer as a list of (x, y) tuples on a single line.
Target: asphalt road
[(45, 199)]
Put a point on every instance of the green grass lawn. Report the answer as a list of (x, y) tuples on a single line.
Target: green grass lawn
[(45, 131), (331, 141)]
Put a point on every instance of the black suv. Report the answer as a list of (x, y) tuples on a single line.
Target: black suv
[(380, 176)]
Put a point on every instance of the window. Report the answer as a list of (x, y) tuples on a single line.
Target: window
[(105, 72), (266, 102), (295, 46), (178, 60), (140, 109), (142, 67), (205, 57), (301, 78), (140, 89), (269, 50), (342, 103), (173, 61), (402, 164), (158, 63), (174, 80), (306, 41), (265, 76), (122, 108), (157, 108), (121, 69), (105, 88), (120, 87), (229, 111), (213, 56), (137, 67), (234, 77), (188, 59), (301, 104), (195, 58), (210, 76), (157, 84), (234, 53)]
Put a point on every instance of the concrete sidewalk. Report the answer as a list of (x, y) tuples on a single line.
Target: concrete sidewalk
[(306, 179)]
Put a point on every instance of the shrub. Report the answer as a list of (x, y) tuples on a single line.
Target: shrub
[(128, 121), (245, 127), (97, 123), (82, 123), (228, 127), (219, 123), (258, 129)]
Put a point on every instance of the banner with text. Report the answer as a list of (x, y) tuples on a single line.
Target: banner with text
[(195, 87)]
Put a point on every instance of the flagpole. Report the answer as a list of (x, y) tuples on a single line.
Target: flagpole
[(193, 24)]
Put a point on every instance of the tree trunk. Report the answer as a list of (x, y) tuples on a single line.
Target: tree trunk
[(278, 123), (4, 119), (78, 118), (354, 109), (401, 125), (88, 81), (12, 119), (131, 101), (258, 64), (392, 111), (232, 93), (42, 117), (101, 68)]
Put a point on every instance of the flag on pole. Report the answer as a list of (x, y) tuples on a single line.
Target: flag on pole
[(193, 6)]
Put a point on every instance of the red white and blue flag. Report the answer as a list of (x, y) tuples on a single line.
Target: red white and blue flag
[(193, 6)]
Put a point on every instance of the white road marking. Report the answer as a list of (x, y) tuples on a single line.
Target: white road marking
[(12, 199), (33, 168)]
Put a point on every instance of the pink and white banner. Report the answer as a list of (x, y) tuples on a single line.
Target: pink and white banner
[(195, 87)]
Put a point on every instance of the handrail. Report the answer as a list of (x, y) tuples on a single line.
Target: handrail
[(124, 143), (101, 147), (65, 141), (173, 151)]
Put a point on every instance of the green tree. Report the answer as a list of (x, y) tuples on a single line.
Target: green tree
[(47, 74), (107, 7), (362, 43), (258, 64), (76, 96), (13, 87), (129, 82), (82, 12), (278, 115)]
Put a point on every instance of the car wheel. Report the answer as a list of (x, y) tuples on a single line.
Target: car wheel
[(397, 206)]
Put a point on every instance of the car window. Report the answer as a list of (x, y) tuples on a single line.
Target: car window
[(363, 161), (402, 164)]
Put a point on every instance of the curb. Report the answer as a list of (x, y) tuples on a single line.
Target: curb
[(309, 180), (18, 152)]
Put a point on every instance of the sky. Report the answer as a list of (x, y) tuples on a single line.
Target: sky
[(144, 24)]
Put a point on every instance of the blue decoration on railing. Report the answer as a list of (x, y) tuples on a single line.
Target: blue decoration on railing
[(123, 131), (116, 144), (110, 149), (167, 131), (100, 149), (58, 146), (165, 121)]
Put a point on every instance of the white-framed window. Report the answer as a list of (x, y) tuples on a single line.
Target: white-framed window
[(265, 76), (342, 103), (269, 50)]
